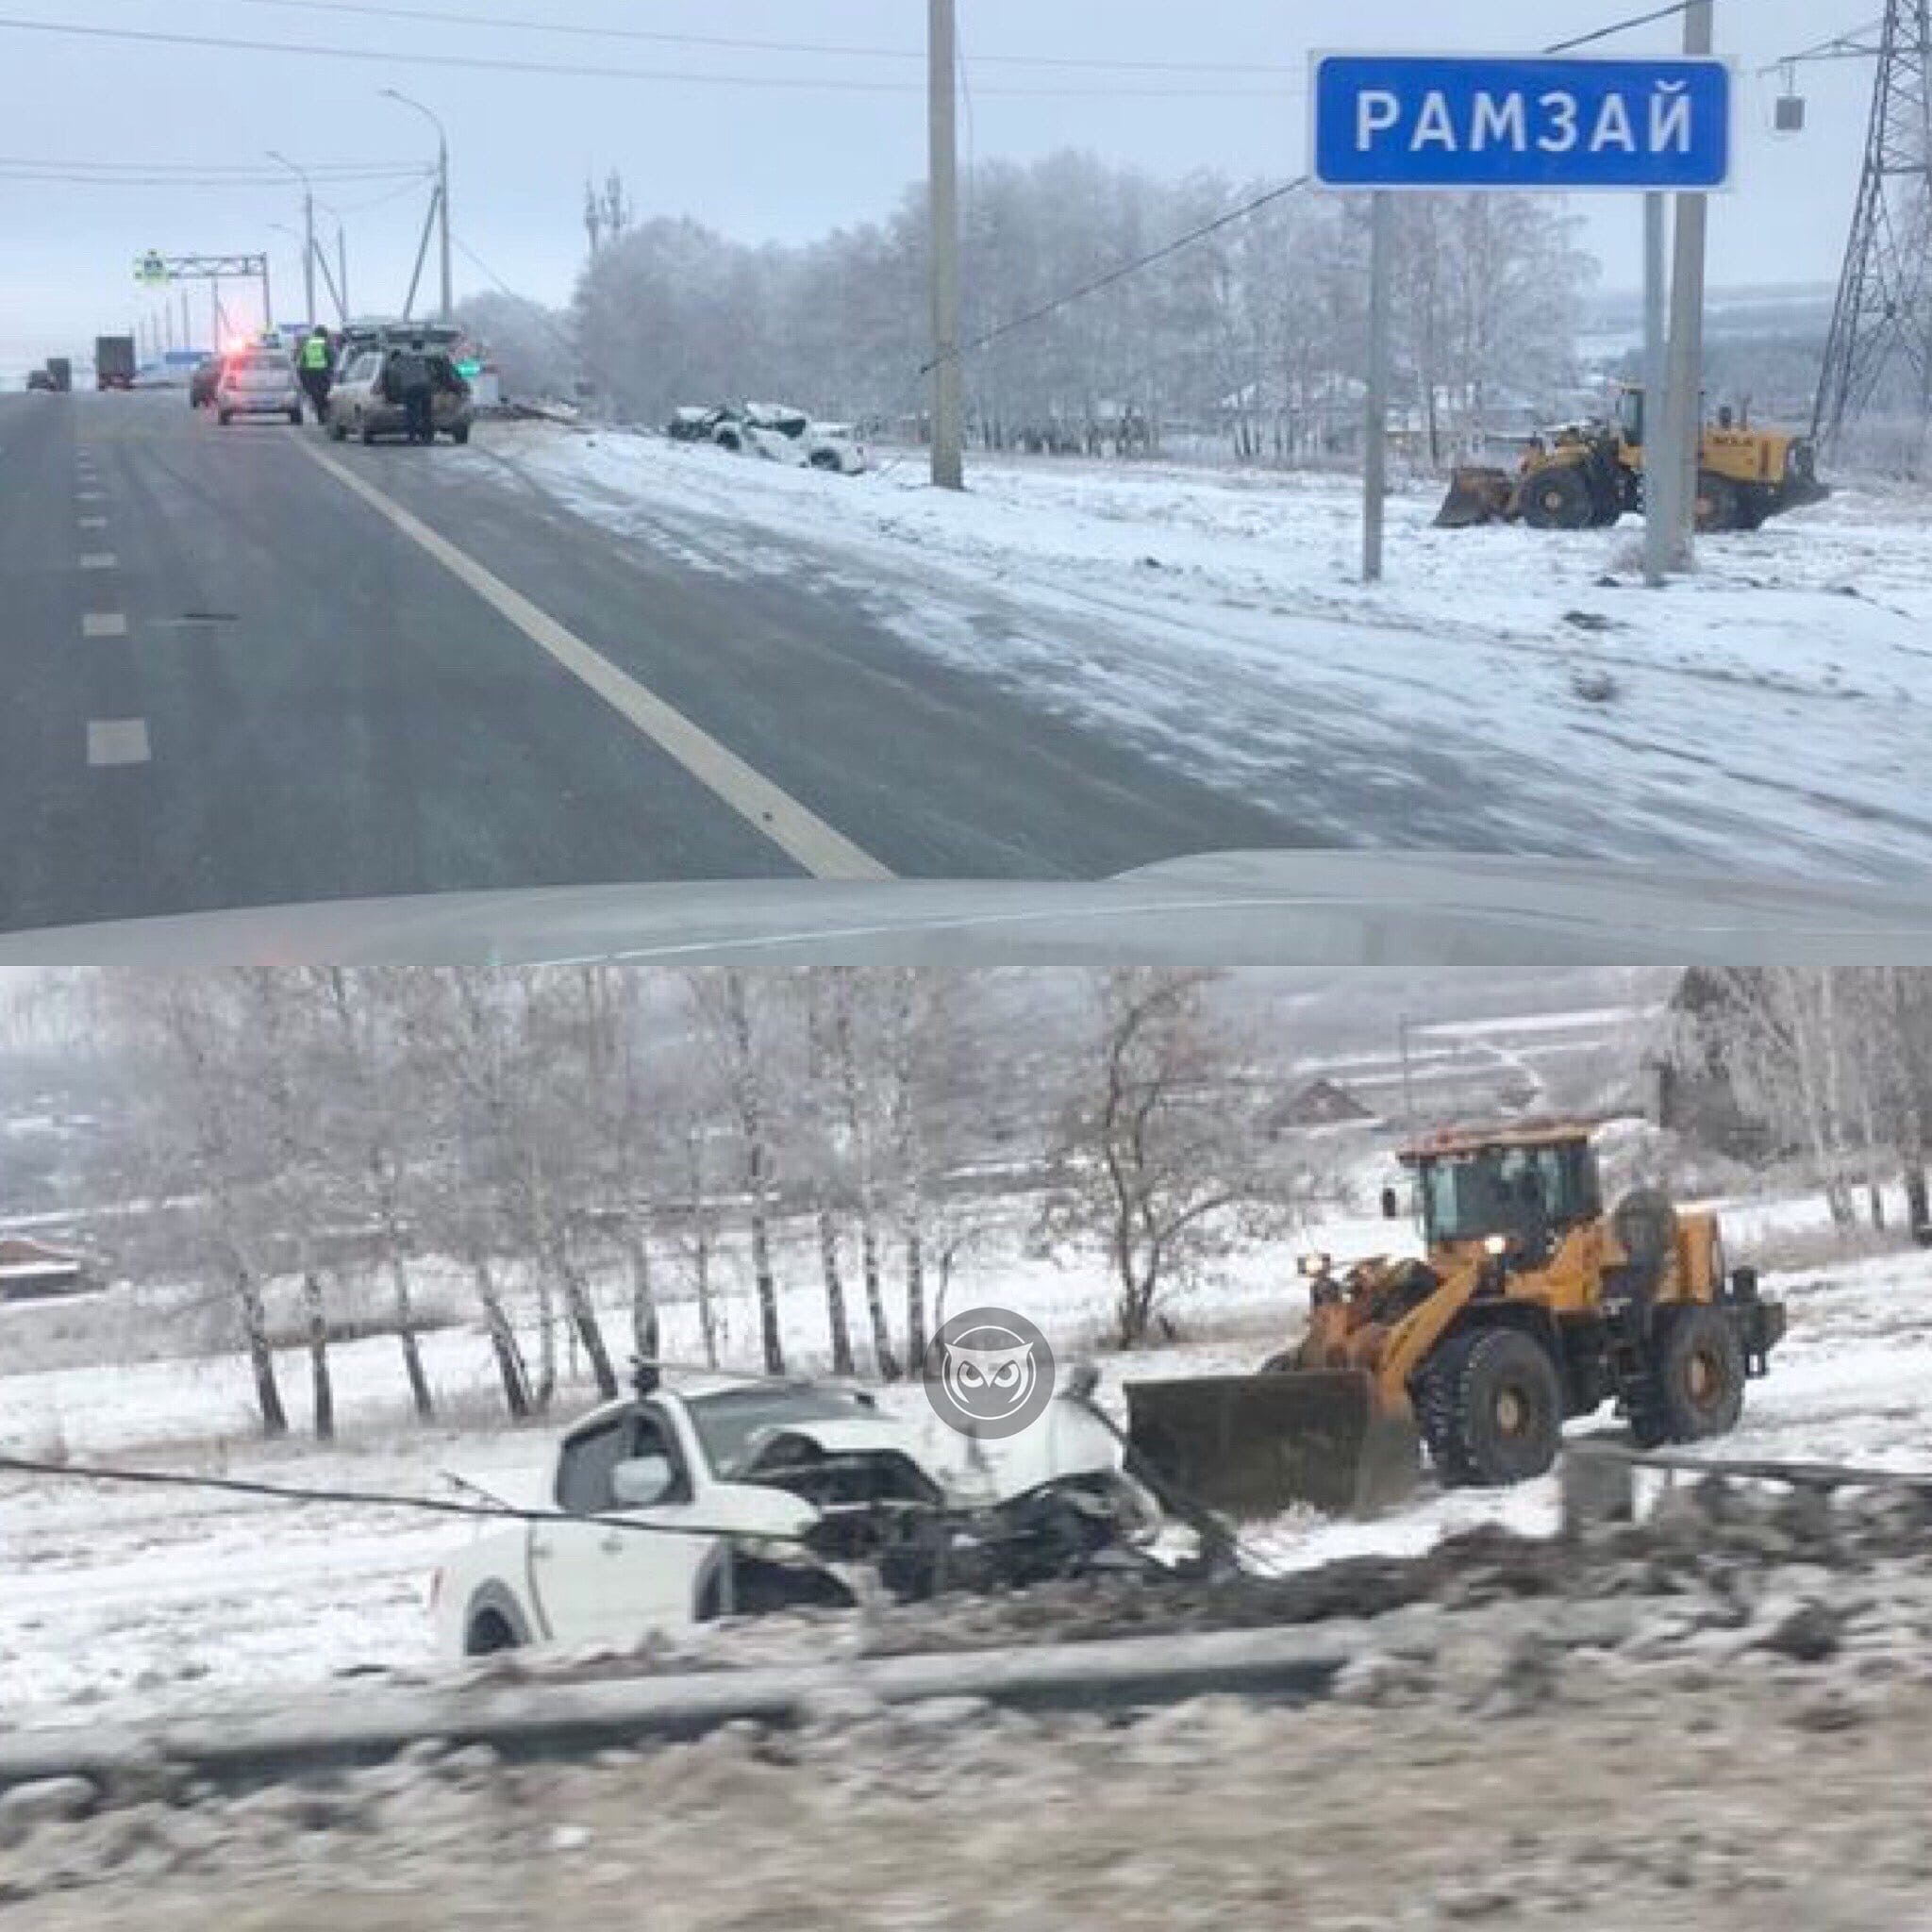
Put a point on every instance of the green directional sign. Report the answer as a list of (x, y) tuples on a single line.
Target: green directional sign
[(151, 270)]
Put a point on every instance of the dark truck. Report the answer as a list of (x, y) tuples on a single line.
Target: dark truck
[(61, 371), (114, 362)]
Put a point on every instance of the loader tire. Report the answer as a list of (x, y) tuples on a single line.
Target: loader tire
[(1700, 1376), (1498, 1406), (1558, 499), (1434, 1397)]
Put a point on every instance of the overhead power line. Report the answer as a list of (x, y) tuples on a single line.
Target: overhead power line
[(1126, 268), (450, 60), (1251, 207), (445, 16), (322, 171), (306, 1492), (1623, 26)]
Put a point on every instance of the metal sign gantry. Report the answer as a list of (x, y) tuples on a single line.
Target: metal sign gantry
[(155, 269)]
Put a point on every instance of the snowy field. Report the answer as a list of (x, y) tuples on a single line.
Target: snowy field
[(1771, 711), (136, 1600)]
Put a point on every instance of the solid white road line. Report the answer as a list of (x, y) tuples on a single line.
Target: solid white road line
[(792, 826), (97, 559), (117, 742), (93, 522), (104, 624)]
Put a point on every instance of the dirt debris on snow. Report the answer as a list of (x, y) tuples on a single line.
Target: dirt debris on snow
[(1759, 1675)]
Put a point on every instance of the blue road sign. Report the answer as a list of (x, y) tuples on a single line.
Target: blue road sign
[(1547, 123)]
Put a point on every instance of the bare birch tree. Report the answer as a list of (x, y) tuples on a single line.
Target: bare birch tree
[(212, 1143), (733, 1009), (1157, 1162)]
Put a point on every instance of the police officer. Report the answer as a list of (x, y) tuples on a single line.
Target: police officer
[(314, 368)]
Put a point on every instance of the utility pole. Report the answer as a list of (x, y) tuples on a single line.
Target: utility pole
[(449, 300), (948, 390), (442, 203), (1401, 1026), (1375, 428), (1656, 496), (1685, 382), (308, 235)]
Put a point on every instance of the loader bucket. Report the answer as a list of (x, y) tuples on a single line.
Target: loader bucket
[(1476, 496), (1255, 1445)]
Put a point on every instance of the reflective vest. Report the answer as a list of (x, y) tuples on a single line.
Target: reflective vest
[(315, 353)]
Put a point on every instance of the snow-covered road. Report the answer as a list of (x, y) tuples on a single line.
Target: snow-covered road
[(1769, 711)]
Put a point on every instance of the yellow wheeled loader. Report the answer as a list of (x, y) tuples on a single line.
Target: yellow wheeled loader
[(1585, 474), (1533, 1305)]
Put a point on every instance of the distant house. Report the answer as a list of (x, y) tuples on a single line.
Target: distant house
[(31, 1272), (1324, 1104)]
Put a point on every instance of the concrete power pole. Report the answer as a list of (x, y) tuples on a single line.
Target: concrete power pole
[(449, 300), (1684, 421), (309, 260), (948, 390), (442, 203), (1375, 428)]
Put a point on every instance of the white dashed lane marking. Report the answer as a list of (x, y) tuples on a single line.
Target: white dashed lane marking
[(97, 559), (93, 522), (104, 624), (117, 742)]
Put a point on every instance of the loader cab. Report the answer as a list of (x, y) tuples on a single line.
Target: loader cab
[(1523, 1188)]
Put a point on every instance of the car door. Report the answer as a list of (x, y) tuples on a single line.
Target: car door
[(615, 1582)]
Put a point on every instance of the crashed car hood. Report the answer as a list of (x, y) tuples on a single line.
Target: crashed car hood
[(1268, 909), (973, 1476), (936, 1452)]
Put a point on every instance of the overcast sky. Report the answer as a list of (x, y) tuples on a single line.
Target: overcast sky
[(759, 162)]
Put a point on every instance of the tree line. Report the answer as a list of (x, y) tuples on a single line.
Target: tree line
[(1834, 1067), (550, 1132), (1256, 334)]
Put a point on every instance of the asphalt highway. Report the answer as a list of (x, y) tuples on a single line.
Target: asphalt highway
[(249, 667)]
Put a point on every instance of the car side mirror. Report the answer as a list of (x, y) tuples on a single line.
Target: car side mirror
[(640, 1482), (1392, 1204)]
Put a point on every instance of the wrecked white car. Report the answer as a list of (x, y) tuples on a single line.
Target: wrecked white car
[(682, 1507), (777, 432)]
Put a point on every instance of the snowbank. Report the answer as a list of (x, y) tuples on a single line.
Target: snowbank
[(1771, 711)]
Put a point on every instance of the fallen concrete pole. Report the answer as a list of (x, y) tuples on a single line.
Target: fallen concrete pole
[(536, 1720), (1598, 1479)]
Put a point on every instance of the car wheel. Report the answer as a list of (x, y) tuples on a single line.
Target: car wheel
[(363, 424), (225, 417), (825, 460), (338, 431), (460, 433), (295, 417)]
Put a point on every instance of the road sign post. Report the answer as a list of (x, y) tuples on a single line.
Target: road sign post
[(1534, 124)]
